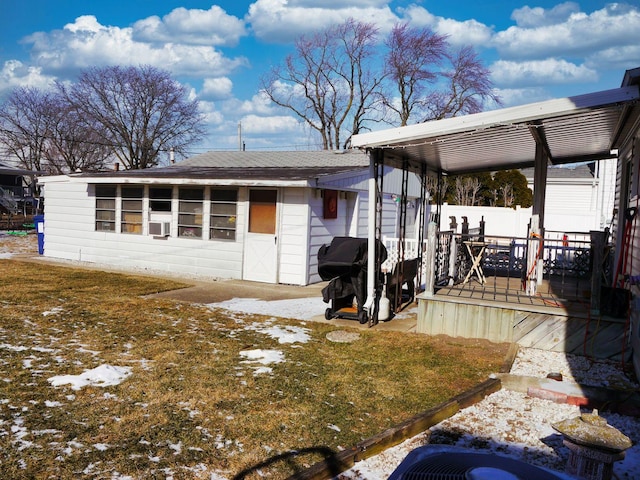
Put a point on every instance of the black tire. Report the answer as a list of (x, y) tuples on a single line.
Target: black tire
[(362, 317), (328, 314)]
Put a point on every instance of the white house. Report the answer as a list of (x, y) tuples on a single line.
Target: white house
[(579, 197), (259, 216)]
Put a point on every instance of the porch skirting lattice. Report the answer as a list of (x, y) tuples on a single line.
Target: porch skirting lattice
[(542, 321)]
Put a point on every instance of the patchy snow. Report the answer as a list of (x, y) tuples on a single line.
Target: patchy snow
[(263, 358), (282, 333), (12, 245), (102, 376), (298, 308), (505, 423), (516, 425)]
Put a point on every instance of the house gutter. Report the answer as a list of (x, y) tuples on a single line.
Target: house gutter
[(177, 181)]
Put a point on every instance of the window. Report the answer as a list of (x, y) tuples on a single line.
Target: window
[(262, 211), (105, 208), (131, 205), (223, 214), (160, 199), (190, 212)]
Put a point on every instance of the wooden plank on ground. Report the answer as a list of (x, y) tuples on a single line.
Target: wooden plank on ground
[(335, 464)]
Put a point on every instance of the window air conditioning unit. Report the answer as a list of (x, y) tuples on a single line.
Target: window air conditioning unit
[(159, 229)]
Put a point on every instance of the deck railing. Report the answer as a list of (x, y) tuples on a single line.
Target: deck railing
[(562, 259)]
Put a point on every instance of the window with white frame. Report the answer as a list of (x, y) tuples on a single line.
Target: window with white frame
[(224, 206), (131, 209), (191, 201), (160, 199), (105, 208)]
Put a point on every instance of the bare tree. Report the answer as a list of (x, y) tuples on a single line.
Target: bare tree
[(72, 143), (138, 111), (474, 185), (461, 192), (46, 135), (466, 190), (437, 188), (327, 82), (506, 191), (493, 201), (467, 88), (412, 63), (24, 119)]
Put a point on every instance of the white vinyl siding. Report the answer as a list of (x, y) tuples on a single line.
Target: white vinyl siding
[(293, 247), (70, 234), (70, 217)]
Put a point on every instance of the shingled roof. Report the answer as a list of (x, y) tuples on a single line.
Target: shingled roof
[(290, 165), (288, 159), (576, 172)]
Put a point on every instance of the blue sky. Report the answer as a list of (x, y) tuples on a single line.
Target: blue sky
[(535, 50)]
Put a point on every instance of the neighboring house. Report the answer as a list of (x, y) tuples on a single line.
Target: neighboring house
[(259, 216), (580, 197), (16, 195)]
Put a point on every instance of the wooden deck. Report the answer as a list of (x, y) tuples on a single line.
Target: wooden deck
[(15, 222), (558, 318)]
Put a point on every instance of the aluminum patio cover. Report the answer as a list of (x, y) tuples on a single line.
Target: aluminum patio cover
[(566, 130)]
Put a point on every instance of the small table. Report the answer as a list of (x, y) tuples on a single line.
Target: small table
[(476, 250)]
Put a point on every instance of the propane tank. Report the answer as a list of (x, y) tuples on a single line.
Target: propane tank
[(384, 306)]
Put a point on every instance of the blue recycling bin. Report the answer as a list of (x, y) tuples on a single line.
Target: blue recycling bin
[(38, 221)]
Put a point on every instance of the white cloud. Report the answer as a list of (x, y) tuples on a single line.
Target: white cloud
[(192, 26), (520, 96), (282, 20), (86, 43), (527, 17), (618, 58), (16, 74), (212, 115), (467, 32), (216, 88), (579, 34), (254, 124), (260, 104), (85, 23), (339, 3), (540, 72)]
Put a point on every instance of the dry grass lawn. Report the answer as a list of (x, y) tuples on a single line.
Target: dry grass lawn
[(195, 404)]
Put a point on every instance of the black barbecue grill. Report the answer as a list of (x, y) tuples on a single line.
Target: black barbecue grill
[(344, 263)]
